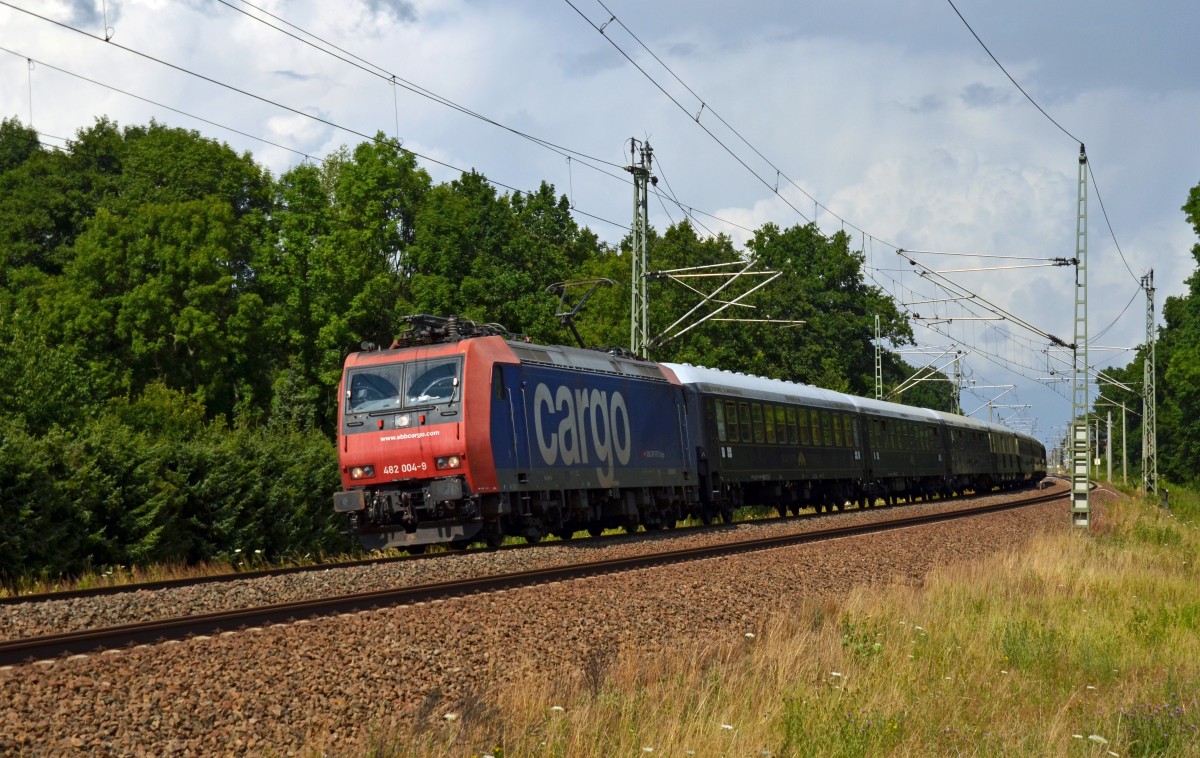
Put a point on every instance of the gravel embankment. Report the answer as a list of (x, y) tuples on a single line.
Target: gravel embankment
[(331, 683), (33, 619)]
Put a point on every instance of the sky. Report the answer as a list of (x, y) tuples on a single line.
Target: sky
[(886, 119)]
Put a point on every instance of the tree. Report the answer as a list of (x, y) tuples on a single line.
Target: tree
[(159, 292)]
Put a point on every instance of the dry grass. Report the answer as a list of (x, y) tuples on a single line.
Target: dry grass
[(1078, 645)]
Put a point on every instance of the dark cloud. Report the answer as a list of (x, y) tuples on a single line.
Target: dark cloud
[(927, 104), (293, 75), (983, 96), (401, 9), (681, 50), (88, 12), (591, 63)]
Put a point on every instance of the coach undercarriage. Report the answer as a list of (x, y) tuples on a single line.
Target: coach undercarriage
[(533, 514), (444, 511)]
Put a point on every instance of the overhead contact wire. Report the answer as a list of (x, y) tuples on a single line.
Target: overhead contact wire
[(274, 103)]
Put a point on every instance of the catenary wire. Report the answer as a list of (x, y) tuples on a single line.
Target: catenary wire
[(160, 105), (681, 107), (1010, 76), (274, 103), (379, 71)]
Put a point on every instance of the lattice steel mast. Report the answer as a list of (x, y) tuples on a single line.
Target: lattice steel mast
[(639, 312), (1149, 419), (878, 361), (1081, 462)]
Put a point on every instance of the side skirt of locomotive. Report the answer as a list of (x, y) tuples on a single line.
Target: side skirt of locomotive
[(444, 511)]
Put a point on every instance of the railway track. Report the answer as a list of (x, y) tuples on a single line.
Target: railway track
[(116, 637), (170, 584)]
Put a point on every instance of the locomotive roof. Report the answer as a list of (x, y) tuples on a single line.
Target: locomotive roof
[(586, 360)]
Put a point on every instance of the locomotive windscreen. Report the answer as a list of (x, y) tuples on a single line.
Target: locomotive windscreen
[(378, 388)]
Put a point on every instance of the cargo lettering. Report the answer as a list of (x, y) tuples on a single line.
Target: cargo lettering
[(592, 425)]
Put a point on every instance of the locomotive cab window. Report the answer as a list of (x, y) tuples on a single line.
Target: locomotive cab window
[(432, 382), (374, 389)]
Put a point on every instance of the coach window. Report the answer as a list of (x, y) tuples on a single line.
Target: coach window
[(837, 430), (772, 433), (790, 417), (756, 409), (826, 429), (719, 416), (815, 418), (731, 420), (802, 421), (744, 421)]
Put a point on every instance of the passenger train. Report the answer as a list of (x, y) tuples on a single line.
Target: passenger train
[(456, 434)]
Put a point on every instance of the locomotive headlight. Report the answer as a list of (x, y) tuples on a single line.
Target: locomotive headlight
[(362, 472), (448, 461)]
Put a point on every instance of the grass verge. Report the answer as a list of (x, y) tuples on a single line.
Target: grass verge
[(1078, 645)]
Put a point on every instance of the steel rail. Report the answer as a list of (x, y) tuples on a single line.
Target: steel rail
[(266, 573), (114, 637)]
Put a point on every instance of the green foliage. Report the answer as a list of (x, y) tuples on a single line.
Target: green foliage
[(862, 637), (1177, 368), (1166, 728), (173, 322), (850, 732), (1029, 643)]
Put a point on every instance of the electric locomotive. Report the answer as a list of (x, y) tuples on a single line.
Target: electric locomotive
[(455, 434)]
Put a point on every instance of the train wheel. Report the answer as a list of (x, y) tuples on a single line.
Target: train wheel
[(493, 539), (564, 534), (727, 515), (630, 525), (460, 544), (533, 538), (595, 531), (416, 549)]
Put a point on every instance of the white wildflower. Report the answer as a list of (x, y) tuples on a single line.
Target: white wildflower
[(451, 717), (1097, 739)]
